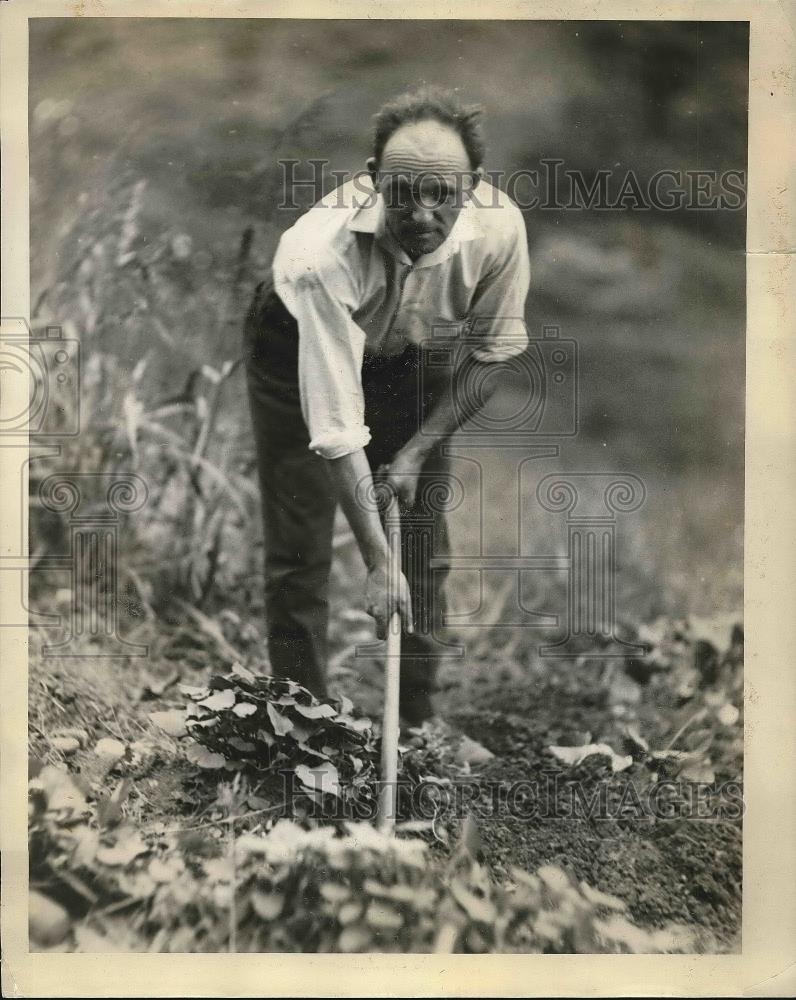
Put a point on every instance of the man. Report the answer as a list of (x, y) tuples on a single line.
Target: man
[(340, 384)]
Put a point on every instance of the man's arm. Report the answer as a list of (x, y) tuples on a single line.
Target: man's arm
[(352, 478), (444, 419), (330, 362)]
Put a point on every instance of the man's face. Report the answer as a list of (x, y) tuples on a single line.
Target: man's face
[(424, 178)]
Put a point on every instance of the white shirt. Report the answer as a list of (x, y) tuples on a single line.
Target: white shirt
[(353, 290)]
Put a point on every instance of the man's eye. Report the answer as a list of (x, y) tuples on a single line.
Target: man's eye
[(399, 195), (432, 194)]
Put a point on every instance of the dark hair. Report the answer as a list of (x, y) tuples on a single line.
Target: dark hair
[(431, 104)]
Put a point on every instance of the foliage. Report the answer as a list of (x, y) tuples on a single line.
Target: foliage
[(242, 719), (153, 313), (101, 886), (693, 668), (108, 873)]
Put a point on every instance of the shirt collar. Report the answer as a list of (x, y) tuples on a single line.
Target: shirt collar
[(369, 217)]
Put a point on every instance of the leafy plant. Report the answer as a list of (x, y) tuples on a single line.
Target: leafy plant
[(242, 719), (295, 889)]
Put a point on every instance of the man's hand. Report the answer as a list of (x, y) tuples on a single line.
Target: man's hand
[(380, 603), (348, 474), (403, 474)]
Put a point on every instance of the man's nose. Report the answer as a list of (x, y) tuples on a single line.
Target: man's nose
[(422, 214)]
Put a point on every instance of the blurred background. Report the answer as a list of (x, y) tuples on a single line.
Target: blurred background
[(154, 185)]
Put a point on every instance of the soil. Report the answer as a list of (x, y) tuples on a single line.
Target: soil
[(682, 870), (683, 866)]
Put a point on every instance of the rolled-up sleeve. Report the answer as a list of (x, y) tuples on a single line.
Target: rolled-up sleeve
[(331, 347), (496, 318)]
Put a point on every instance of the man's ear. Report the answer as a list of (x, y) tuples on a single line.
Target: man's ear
[(372, 166)]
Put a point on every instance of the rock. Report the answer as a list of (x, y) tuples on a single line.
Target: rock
[(355, 938), (48, 921), (728, 714), (172, 723), (573, 756), (574, 738), (470, 837), (384, 917), (110, 750), (623, 690), (472, 753), (65, 744), (78, 734)]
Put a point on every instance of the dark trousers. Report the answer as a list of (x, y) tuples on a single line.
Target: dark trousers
[(298, 504)]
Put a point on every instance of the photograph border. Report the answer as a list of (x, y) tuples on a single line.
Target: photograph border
[(767, 964)]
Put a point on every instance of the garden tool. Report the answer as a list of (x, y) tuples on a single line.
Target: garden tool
[(388, 793)]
